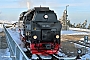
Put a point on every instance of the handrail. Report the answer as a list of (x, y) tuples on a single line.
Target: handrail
[(16, 52)]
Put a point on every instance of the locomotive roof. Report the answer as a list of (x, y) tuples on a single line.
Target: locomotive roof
[(35, 9), (41, 8)]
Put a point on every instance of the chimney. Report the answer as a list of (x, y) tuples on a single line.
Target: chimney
[(28, 5)]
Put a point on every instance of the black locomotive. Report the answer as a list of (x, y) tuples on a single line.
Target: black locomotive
[(41, 30)]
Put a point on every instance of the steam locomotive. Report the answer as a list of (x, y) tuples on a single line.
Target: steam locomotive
[(41, 30)]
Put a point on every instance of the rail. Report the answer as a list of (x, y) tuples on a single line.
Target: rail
[(16, 52)]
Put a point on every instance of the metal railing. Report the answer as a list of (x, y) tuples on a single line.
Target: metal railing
[(16, 52)]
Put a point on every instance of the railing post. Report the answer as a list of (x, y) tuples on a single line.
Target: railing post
[(17, 53), (12, 55)]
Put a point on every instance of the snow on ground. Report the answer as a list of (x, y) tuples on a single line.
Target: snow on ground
[(82, 39), (87, 55), (79, 29), (71, 32), (1, 27), (7, 21), (5, 54), (78, 46), (15, 35)]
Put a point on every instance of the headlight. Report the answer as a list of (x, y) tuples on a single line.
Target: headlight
[(45, 16), (57, 36), (35, 37), (26, 33)]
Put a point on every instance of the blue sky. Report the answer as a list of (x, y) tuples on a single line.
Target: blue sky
[(78, 10)]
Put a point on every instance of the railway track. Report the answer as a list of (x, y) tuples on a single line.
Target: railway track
[(80, 42), (41, 57)]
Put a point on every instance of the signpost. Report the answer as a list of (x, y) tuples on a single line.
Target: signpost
[(85, 38), (85, 41)]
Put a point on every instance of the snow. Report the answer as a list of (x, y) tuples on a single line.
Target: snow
[(75, 31), (1, 27), (5, 54), (1, 30), (86, 56), (78, 46), (7, 21), (68, 58), (82, 39), (62, 54), (71, 32), (34, 56), (15, 35), (45, 57), (79, 29)]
